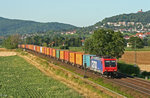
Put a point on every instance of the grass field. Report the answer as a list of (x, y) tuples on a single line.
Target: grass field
[(20, 79), (142, 59), (79, 49), (142, 49)]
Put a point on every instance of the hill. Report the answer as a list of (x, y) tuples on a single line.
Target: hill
[(11, 26), (133, 22), (143, 17)]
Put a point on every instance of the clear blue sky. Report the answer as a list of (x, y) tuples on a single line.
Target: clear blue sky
[(75, 12)]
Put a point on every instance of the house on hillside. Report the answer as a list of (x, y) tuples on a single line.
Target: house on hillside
[(140, 11), (126, 37), (140, 35), (128, 44), (146, 34)]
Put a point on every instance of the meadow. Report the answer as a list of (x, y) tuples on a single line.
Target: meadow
[(80, 49), (20, 79), (141, 49)]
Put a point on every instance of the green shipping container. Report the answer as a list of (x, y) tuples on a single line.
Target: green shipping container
[(57, 54)]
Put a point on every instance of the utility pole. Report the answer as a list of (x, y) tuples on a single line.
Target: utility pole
[(85, 70)]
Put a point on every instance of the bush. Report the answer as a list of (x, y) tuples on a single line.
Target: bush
[(145, 73), (64, 47), (128, 69), (11, 42)]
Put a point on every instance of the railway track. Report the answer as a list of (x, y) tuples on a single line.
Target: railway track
[(142, 87), (135, 85)]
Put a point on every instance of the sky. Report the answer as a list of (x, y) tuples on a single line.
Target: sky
[(80, 13)]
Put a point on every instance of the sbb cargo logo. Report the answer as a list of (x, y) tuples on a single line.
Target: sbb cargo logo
[(94, 65)]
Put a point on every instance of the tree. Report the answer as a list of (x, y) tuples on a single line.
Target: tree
[(136, 42), (148, 42), (145, 41), (12, 41), (105, 43), (45, 44)]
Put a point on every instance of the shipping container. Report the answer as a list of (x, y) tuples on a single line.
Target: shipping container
[(79, 58), (38, 49), (72, 57), (34, 47), (26, 46), (57, 53), (97, 65), (87, 59), (54, 52), (31, 47), (62, 54), (23, 46), (67, 55), (51, 52), (19, 46), (47, 51), (41, 49)]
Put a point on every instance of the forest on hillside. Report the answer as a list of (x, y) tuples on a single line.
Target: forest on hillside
[(142, 17), (11, 26)]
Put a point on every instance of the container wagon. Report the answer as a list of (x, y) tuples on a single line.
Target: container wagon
[(72, 58), (51, 52), (79, 59), (67, 56), (57, 53), (62, 55), (87, 60), (54, 53), (47, 51)]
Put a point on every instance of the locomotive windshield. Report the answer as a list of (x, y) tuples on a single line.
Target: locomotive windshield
[(110, 63)]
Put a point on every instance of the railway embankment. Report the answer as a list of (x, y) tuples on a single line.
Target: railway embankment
[(113, 85), (84, 86)]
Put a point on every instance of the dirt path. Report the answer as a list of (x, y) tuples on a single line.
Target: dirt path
[(7, 53)]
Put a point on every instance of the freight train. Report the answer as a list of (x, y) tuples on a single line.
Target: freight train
[(103, 65)]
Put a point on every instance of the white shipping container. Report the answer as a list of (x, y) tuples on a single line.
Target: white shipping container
[(40, 49), (34, 47)]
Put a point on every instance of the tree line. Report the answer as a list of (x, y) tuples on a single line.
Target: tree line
[(54, 41), (107, 42)]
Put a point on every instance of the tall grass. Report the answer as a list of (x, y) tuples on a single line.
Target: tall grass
[(20, 79)]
